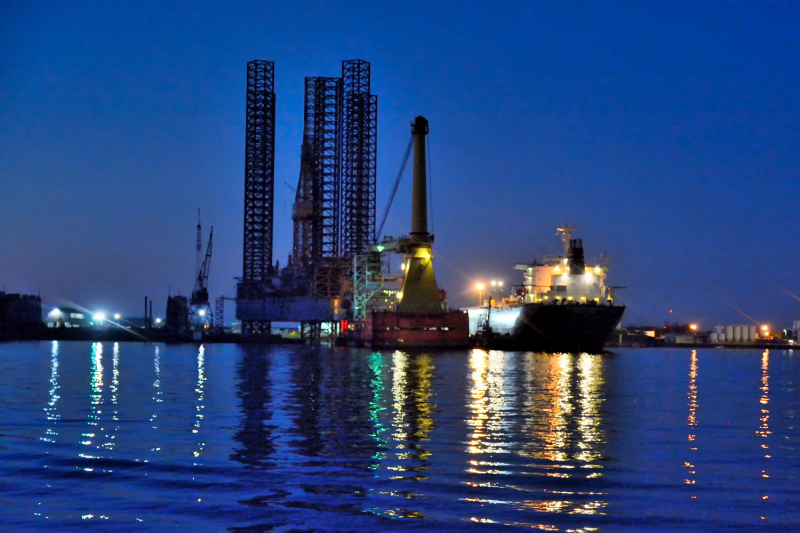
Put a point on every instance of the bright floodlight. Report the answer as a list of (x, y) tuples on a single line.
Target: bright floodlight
[(158, 321), (764, 328), (117, 316), (479, 286), (202, 312), (55, 311), (99, 317)]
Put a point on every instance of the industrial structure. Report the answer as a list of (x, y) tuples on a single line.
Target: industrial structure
[(200, 315), (421, 317), (337, 274), (334, 210), (259, 188)]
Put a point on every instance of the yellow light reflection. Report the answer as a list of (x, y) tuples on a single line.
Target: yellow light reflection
[(692, 421), (411, 424), (563, 426), (488, 405), (763, 429)]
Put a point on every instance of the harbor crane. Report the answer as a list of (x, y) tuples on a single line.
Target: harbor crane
[(200, 314)]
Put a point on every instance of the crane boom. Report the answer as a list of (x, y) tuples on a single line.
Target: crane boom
[(200, 292), (379, 230), (198, 253), (207, 261)]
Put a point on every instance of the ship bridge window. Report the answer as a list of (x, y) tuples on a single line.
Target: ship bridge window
[(561, 288)]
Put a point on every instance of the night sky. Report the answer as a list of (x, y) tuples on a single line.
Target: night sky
[(668, 132)]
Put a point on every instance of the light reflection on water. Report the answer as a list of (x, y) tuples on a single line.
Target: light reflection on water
[(691, 468), (258, 438), (201, 379), (763, 429)]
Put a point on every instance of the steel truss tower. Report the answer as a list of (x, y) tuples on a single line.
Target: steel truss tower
[(259, 188), (302, 210), (359, 157), (323, 101)]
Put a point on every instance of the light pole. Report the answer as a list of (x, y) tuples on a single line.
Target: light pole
[(480, 288)]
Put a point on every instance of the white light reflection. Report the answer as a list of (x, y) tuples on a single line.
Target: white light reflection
[(201, 380), (50, 411), (109, 444), (96, 397), (399, 424), (156, 395)]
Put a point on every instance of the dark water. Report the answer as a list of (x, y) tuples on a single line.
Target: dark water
[(142, 437)]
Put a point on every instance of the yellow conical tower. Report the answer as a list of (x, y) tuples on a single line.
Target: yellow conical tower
[(420, 292)]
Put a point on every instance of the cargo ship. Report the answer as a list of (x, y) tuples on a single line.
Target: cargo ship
[(564, 305)]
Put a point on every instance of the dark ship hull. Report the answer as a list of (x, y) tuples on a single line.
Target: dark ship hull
[(546, 328)]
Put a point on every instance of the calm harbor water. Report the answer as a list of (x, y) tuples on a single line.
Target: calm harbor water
[(154, 437)]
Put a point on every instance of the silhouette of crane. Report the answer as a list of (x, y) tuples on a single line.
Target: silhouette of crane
[(200, 314)]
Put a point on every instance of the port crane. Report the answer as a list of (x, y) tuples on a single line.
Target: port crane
[(200, 314)]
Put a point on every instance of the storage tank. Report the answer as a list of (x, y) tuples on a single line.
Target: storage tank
[(714, 337), (745, 334), (753, 333), (729, 333), (737, 333), (721, 337), (719, 329)]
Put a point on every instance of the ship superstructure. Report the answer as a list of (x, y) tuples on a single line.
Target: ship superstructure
[(563, 279), (564, 304)]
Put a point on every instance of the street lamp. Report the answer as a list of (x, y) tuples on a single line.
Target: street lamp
[(480, 288), (497, 284), (117, 316)]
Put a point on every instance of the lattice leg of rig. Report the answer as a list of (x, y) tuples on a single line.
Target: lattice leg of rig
[(311, 332), (219, 315)]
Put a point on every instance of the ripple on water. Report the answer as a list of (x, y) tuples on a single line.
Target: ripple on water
[(257, 438)]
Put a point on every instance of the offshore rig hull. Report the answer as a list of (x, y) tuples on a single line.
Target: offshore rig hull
[(413, 330)]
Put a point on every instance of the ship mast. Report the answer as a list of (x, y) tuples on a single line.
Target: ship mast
[(566, 234)]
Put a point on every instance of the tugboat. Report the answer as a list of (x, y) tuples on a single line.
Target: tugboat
[(564, 305)]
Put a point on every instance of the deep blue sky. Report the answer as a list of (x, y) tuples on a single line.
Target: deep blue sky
[(668, 132)]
